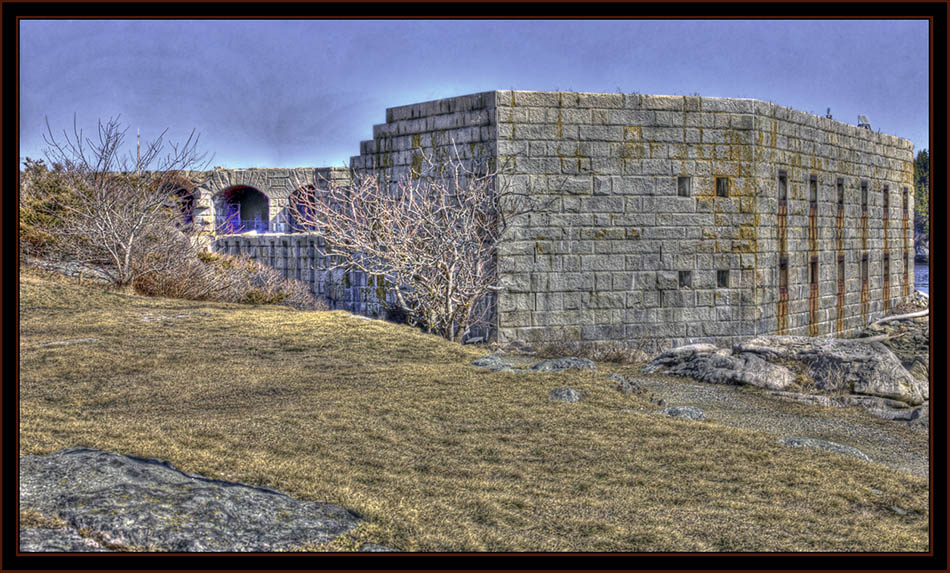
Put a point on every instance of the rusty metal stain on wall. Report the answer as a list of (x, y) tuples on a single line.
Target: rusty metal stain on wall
[(783, 296), (813, 296), (839, 319), (887, 282), (813, 255), (905, 285), (865, 299), (782, 310)]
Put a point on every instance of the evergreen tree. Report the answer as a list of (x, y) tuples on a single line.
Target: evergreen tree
[(922, 194)]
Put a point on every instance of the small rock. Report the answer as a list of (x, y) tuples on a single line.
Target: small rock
[(876, 491), (68, 342), (566, 395), (567, 362), (688, 412), (892, 414), (474, 340), (491, 362), (797, 442), (627, 385), (899, 510), (920, 418)]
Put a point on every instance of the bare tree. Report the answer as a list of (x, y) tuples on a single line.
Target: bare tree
[(119, 210), (433, 233)]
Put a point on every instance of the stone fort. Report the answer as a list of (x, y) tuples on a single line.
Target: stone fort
[(670, 219)]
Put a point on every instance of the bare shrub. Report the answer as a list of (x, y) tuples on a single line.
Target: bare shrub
[(224, 278), (111, 209), (433, 233)]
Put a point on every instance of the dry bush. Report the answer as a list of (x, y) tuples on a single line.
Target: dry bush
[(433, 233), (200, 275), (96, 205)]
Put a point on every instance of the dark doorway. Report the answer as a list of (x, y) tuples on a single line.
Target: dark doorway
[(242, 209)]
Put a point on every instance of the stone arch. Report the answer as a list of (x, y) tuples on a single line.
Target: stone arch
[(241, 208)]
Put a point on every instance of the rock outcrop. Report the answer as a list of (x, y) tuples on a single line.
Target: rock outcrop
[(908, 339), (120, 502), (849, 366), (708, 363), (826, 371)]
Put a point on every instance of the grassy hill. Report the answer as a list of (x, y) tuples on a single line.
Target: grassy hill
[(435, 454)]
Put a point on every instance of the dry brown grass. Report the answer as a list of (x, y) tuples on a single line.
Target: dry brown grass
[(437, 455)]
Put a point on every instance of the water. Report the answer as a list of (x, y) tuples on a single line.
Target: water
[(922, 277)]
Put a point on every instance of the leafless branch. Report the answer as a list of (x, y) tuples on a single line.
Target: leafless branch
[(433, 233)]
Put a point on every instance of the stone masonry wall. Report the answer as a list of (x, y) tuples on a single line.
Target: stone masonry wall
[(622, 255), (806, 146)]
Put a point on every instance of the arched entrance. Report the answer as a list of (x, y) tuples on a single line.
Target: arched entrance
[(241, 209)]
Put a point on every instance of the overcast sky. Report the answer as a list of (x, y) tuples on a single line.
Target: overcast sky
[(306, 92)]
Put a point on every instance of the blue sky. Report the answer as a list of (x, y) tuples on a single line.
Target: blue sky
[(306, 92)]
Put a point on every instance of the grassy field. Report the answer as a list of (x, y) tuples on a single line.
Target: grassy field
[(435, 454)]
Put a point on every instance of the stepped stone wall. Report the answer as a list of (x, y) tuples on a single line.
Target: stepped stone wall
[(663, 218)]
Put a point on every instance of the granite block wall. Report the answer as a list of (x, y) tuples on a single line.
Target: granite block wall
[(664, 219), (297, 256)]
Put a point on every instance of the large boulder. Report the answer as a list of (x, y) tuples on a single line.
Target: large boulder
[(707, 363), (842, 365), (129, 502)]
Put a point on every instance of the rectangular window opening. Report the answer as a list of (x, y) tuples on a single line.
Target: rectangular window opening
[(864, 269), (813, 271), (904, 200), (840, 193), (686, 278), (722, 186), (841, 270), (886, 270), (864, 195), (887, 199), (813, 191), (722, 278), (782, 187), (783, 274), (682, 186)]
